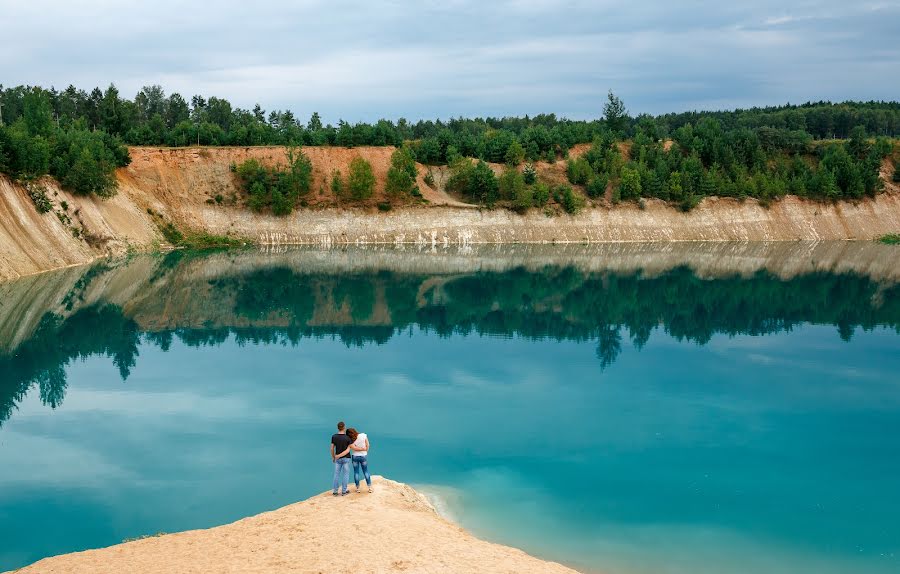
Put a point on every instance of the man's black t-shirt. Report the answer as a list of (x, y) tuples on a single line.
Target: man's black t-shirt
[(341, 442)]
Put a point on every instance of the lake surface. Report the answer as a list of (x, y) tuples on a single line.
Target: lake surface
[(624, 409)]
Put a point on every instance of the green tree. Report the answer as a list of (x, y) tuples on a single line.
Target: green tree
[(540, 194), (337, 183), (571, 201), (482, 185), (515, 154), (401, 175), (511, 184), (615, 114), (529, 173), (37, 113), (597, 186), (579, 171), (361, 179), (630, 184)]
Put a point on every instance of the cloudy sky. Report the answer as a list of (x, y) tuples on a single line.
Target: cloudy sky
[(441, 58)]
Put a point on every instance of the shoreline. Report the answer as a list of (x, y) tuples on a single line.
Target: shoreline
[(395, 529)]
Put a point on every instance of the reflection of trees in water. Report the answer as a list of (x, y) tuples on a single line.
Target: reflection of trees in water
[(41, 360), (561, 303)]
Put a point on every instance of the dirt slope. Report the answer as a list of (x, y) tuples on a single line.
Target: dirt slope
[(394, 529), (181, 184)]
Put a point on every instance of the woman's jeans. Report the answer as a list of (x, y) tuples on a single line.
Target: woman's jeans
[(341, 474), (361, 462)]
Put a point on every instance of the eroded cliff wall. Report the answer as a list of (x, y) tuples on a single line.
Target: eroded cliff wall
[(181, 185)]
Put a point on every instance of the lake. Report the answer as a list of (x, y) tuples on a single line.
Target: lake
[(638, 408)]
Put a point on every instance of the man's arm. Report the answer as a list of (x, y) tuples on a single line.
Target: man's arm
[(332, 452)]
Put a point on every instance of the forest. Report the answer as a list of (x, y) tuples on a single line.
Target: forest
[(821, 150)]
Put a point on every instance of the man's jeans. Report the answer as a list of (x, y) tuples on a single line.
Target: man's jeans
[(342, 474), (361, 462)]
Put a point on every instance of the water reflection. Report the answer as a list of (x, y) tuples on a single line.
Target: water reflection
[(284, 298)]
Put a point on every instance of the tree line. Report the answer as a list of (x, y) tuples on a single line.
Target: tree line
[(79, 137)]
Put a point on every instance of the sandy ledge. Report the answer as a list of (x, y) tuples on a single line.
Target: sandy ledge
[(393, 530)]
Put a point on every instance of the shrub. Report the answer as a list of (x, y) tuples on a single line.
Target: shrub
[(529, 173), (384, 206), (597, 186), (337, 183), (540, 194), (630, 184), (361, 180), (578, 171), (429, 179), (515, 154), (570, 201), (476, 182), (511, 184), (523, 199), (401, 176), (897, 173), (38, 195)]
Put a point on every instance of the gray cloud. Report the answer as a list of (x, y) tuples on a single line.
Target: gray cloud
[(362, 61)]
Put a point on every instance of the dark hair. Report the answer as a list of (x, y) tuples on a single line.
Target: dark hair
[(352, 433), (341, 425)]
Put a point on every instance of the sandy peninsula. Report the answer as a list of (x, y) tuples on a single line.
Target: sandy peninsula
[(394, 529)]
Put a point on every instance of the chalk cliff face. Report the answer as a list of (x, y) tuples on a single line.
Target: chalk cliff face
[(181, 186)]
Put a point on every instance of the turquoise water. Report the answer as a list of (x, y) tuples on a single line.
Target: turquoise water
[(614, 420)]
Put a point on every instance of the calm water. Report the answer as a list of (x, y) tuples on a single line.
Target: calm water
[(615, 411)]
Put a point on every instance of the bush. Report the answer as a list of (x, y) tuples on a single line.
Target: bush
[(511, 184), (579, 171), (897, 173), (597, 186), (523, 199), (429, 179), (540, 194), (515, 154), (361, 180), (476, 182), (273, 187), (337, 183), (401, 176), (630, 184), (570, 201), (38, 194), (529, 173)]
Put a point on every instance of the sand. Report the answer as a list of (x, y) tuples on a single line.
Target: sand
[(394, 529)]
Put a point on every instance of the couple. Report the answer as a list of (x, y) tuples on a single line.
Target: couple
[(342, 443)]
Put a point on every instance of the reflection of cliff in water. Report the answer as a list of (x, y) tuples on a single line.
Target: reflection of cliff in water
[(369, 297)]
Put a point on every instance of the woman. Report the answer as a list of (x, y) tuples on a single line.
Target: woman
[(360, 456)]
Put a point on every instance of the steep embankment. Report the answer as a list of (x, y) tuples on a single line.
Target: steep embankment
[(182, 186), (394, 529)]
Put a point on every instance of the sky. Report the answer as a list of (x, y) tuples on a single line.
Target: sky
[(362, 61)]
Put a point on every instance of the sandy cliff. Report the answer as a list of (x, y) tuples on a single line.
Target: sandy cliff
[(394, 529), (181, 185)]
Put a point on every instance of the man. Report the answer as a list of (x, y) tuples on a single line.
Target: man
[(339, 444)]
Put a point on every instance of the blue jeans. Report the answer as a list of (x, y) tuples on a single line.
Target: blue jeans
[(341, 474), (361, 462)]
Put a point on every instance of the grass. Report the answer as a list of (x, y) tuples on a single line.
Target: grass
[(204, 240), (890, 239), (197, 240)]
